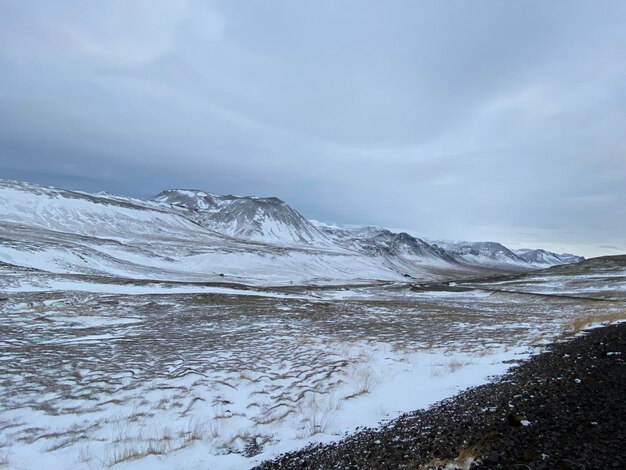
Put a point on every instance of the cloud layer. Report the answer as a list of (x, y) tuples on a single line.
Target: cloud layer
[(490, 120)]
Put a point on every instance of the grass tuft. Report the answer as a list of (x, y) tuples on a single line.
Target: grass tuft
[(580, 323)]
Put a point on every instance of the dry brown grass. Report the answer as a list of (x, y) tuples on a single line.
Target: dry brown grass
[(214, 428), (583, 322), (450, 366), (190, 405), (272, 418), (455, 364), (317, 422), (124, 454), (197, 431), (128, 447), (66, 442), (465, 458), (364, 379)]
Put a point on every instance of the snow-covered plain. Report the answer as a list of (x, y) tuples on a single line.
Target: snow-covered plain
[(188, 376), (135, 337)]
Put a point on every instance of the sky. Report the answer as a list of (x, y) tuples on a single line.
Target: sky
[(484, 120)]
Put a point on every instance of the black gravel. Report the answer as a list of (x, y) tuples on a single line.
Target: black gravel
[(563, 409)]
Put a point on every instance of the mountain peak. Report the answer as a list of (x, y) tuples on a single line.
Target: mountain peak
[(262, 219), (541, 257)]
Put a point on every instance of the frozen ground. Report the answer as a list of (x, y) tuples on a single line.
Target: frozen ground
[(100, 372)]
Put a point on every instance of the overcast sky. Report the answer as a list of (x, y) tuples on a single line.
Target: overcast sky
[(481, 120)]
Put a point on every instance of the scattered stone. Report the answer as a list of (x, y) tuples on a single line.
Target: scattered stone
[(515, 419), (493, 458)]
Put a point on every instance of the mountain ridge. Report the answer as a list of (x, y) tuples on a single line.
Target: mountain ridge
[(193, 234), (543, 257)]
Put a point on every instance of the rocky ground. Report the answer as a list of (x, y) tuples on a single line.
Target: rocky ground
[(563, 409)]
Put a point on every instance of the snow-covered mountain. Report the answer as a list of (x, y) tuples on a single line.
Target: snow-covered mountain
[(193, 235), (380, 241), (540, 257), (267, 220), (64, 232), (482, 253), (78, 213)]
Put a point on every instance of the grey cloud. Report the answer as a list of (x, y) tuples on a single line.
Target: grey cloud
[(484, 120)]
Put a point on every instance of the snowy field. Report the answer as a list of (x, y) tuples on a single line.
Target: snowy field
[(132, 336), (170, 375)]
